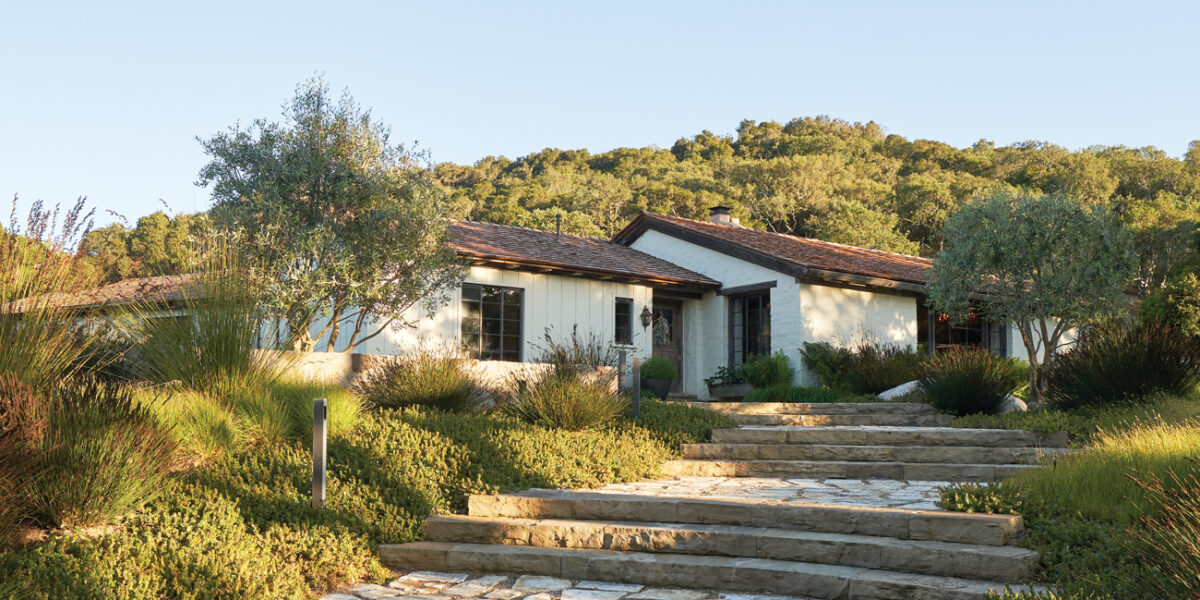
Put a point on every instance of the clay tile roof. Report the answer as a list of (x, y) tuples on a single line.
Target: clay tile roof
[(489, 242), (163, 288), (799, 252)]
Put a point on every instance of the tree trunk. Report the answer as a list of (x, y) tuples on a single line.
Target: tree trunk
[(335, 322), (1035, 379)]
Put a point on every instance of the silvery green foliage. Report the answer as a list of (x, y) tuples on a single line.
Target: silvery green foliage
[(1044, 263)]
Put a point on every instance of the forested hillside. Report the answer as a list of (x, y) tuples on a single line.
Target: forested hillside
[(817, 177)]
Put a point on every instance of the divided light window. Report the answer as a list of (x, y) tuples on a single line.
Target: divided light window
[(749, 326), (623, 330), (491, 322)]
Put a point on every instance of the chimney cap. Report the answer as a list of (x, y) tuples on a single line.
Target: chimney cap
[(719, 210)]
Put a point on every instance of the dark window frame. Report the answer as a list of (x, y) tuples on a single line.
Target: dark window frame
[(740, 344), (478, 350), (627, 340)]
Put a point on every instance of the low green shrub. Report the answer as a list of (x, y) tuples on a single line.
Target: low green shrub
[(98, 453), (967, 382), (676, 424), (1112, 364), (657, 367), (343, 409), (437, 379), (767, 370), (564, 401), (987, 498), (725, 375), (1167, 539), (826, 361), (873, 368), (868, 368)]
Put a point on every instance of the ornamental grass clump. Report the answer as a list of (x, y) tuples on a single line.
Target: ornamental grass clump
[(575, 391), (969, 381), (437, 379), (1168, 541), (872, 368), (1113, 364), (97, 452)]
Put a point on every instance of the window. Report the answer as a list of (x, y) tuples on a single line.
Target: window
[(491, 322), (623, 331), (664, 327), (943, 333), (749, 326)]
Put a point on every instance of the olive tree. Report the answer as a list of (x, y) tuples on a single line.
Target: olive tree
[(1046, 264), (349, 229)]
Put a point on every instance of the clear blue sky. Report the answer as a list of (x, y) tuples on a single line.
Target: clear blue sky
[(106, 99)]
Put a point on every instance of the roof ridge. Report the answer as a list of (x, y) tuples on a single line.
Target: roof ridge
[(791, 236), (507, 226)]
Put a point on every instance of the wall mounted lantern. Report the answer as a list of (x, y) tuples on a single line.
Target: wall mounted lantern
[(647, 316)]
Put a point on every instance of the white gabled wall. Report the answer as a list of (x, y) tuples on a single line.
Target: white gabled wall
[(800, 312), (550, 301)]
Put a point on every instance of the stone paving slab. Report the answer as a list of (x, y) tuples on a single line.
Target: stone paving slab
[(917, 495), (432, 585)]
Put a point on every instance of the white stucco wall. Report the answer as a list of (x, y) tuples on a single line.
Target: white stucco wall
[(550, 301), (800, 312), (1017, 349)]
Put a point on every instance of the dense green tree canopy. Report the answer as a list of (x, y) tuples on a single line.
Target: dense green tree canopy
[(1047, 264), (349, 228)]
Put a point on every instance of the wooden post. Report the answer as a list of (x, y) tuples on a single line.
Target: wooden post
[(621, 372), (637, 388), (319, 429)]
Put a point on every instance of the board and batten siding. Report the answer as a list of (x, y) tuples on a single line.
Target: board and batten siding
[(553, 302), (800, 311)]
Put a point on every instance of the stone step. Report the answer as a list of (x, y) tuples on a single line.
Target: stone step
[(818, 408), (818, 420), (899, 523), (889, 436), (840, 469), (720, 573), (995, 563), (904, 454)]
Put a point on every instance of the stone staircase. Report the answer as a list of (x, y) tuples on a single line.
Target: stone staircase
[(763, 545), (812, 550), (903, 441)]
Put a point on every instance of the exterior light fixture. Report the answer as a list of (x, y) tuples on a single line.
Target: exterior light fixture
[(647, 316)]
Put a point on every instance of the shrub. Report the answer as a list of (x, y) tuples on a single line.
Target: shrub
[(429, 378), (1111, 364), (874, 368), (98, 455), (725, 375), (657, 367), (343, 409), (564, 401), (1177, 305), (1167, 540), (766, 370), (827, 361), (676, 424), (967, 382), (988, 498)]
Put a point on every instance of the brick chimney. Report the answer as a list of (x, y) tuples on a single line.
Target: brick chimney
[(721, 216)]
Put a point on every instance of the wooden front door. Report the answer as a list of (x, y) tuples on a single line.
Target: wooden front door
[(667, 333)]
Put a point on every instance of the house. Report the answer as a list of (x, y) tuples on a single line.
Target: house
[(700, 294)]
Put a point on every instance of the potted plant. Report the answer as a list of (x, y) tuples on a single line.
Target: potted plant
[(727, 382), (657, 375)]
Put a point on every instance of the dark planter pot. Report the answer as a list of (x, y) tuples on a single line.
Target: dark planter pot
[(659, 387), (737, 390)]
